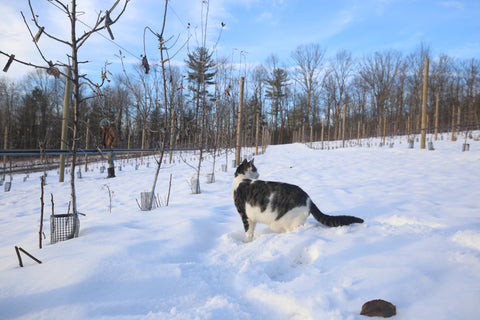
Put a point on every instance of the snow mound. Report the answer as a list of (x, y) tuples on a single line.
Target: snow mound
[(468, 238), (399, 221)]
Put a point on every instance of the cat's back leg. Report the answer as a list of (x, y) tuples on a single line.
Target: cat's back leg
[(290, 220)]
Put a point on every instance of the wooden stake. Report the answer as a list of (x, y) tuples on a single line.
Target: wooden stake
[(453, 124), (408, 128), (311, 137), (424, 106), (239, 123), (42, 179), (323, 125), (436, 118), (53, 204), (28, 254), (169, 188), (384, 129), (5, 148), (256, 134), (66, 105), (143, 145), (358, 133), (19, 257), (128, 145), (343, 125), (459, 111), (86, 144)]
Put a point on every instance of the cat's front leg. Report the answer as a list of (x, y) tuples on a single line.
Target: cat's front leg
[(250, 231), (249, 227)]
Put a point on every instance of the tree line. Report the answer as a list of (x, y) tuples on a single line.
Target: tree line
[(295, 100)]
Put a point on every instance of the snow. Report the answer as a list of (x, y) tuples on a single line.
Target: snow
[(419, 247)]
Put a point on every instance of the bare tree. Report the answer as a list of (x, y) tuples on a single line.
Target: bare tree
[(379, 72), (341, 71), (104, 21), (416, 65), (471, 80), (309, 60)]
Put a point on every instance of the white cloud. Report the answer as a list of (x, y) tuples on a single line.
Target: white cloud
[(453, 4)]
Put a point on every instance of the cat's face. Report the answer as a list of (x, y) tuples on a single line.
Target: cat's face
[(248, 169)]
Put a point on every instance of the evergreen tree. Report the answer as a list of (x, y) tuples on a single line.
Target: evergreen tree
[(200, 75), (276, 91)]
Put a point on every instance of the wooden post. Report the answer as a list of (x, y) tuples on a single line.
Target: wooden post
[(458, 119), (323, 125), (5, 157), (343, 124), (453, 124), (18, 249), (143, 145), (66, 105), (239, 123), (358, 133), (42, 179), (436, 118), (424, 106), (169, 189), (19, 257), (408, 128), (384, 129), (128, 145), (263, 140), (172, 124), (256, 134), (86, 144), (311, 137)]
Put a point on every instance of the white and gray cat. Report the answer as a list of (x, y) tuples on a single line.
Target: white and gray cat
[(280, 205)]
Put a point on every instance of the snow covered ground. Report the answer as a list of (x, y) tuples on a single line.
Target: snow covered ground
[(419, 247)]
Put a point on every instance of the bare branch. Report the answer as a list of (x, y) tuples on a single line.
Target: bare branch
[(97, 27), (32, 65), (35, 21)]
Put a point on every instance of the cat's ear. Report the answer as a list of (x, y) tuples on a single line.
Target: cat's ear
[(251, 162), (244, 162)]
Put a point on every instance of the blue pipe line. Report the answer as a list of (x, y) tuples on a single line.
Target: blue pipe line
[(35, 152)]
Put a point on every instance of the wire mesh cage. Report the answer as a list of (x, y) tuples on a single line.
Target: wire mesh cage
[(63, 227), (145, 204)]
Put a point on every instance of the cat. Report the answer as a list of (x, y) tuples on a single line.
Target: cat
[(280, 205)]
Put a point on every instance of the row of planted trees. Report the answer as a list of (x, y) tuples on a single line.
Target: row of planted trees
[(160, 106), (314, 94)]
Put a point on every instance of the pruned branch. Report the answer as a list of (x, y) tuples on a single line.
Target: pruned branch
[(31, 64), (35, 21), (81, 40)]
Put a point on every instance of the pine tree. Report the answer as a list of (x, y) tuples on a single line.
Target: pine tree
[(200, 76)]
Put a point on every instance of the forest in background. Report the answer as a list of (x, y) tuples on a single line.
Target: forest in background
[(287, 101)]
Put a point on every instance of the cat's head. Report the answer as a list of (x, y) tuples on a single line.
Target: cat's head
[(248, 169)]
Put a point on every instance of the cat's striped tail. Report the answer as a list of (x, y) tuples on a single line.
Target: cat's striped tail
[(332, 221)]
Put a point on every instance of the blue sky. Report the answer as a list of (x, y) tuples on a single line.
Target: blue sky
[(254, 29)]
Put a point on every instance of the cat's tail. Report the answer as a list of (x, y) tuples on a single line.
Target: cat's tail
[(332, 221)]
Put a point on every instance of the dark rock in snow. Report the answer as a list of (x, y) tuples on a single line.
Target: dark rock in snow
[(378, 308)]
